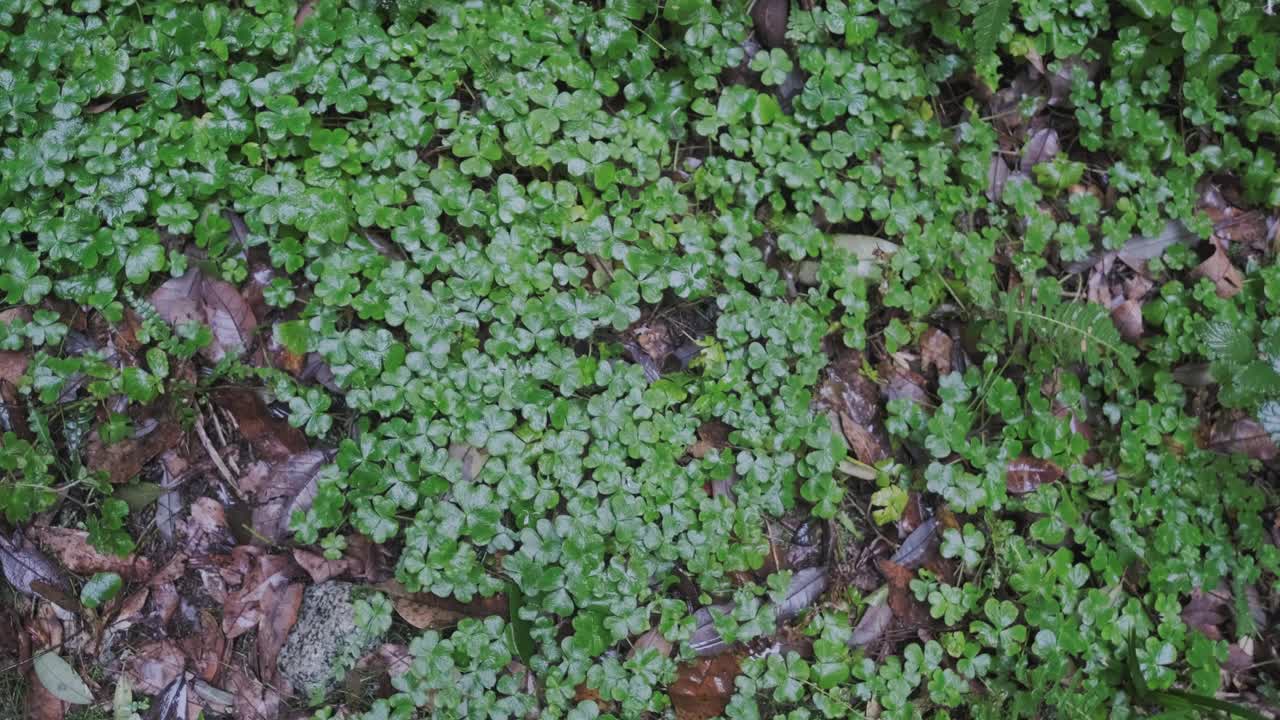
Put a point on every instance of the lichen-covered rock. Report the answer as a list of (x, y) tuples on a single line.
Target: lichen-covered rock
[(325, 640)]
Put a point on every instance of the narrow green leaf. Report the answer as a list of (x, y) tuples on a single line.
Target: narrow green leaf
[(990, 21), (61, 680)]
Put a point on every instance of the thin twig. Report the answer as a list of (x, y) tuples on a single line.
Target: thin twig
[(215, 457)]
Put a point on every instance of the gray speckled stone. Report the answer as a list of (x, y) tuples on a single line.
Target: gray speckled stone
[(324, 635)]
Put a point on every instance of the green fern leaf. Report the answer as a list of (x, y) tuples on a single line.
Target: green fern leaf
[(1269, 416), (990, 21), (1074, 332)]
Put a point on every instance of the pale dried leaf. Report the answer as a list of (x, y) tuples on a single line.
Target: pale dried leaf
[(426, 615), (290, 486), (806, 587), (280, 612), (229, 317), (1041, 147), (873, 625), (935, 350), (997, 177), (1226, 277), (915, 549), (61, 680), (1127, 317), (155, 665), (24, 565), (171, 704)]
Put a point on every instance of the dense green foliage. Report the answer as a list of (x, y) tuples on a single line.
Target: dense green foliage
[(465, 205)]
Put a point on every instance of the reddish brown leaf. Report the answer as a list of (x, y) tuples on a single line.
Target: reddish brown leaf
[(1025, 474), (123, 460), (254, 700), (899, 578), (1127, 317), (244, 609), (319, 567), (854, 402), (274, 439), (702, 687), (195, 298), (206, 649), (1207, 611), (72, 549), (1243, 435)]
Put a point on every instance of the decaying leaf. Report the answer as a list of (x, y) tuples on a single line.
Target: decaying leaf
[(703, 687), (1041, 147), (705, 639), (172, 702), (873, 625), (289, 486), (1243, 435), (280, 612), (30, 571), (73, 550), (155, 665), (915, 549), (272, 438), (935, 350), (196, 298), (1026, 474), (997, 177), (852, 402)]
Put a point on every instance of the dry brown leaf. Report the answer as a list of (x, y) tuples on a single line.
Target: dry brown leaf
[(243, 609), (1025, 474), (473, 459), (72, 549), (319, 567), (123, 460), (1226, 277), (901, 599), (289, 486), (873, 625), (651, 639), (254, 700), (898, 383), (1247, 227), (280, 612), (195, 298), (1207, 611), (155, 665), (855, 403), (426, 615), (1127, 317), (206, 649), (274, 439), (703, 687), (935, 350)]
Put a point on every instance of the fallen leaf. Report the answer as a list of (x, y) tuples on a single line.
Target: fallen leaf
[(289, 486), (319, 567), (72, 549), (169, 504), (705, 639), (253, 700), (195, 298), (206, 527), (243, 609), (1205, 612), (1139, 249), (1127, 317), (473, 459), (651, 639), (1226, 277), (935, 350), (703, 687), (916, 548), (1243, 435), (806, 587), (155, 665), (1025, 474), (873, 625), (123, 460), (1041, 147), (854, 401), (280, 612), (1246, 227), (172, 701), (997, 177), (870, 251), (900, 383), (61, 680), (273, 438), (770, 19), (25, 565), (426, 615)]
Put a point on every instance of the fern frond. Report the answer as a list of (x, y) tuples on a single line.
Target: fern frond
[(1269, 416), (991, 19), (1075, 332)]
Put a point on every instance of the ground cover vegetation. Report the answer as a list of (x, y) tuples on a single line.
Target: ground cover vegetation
[(896, 359)]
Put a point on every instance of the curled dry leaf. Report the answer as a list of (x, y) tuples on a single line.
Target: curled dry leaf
[(155, 665), (1226, 277), (253, 699), (319, 567), (172, 703), (72, 549), (206, 648), (1026, 474), (265, 580), (1127, 317), (703, 687), (852, 401)]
